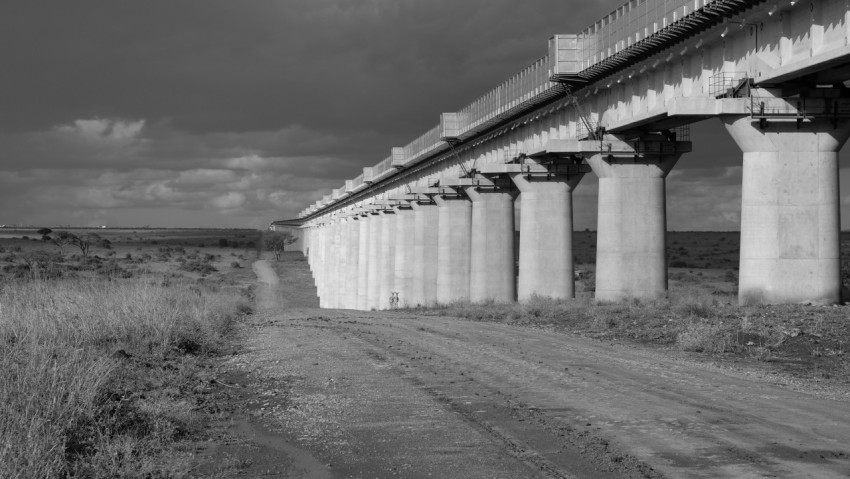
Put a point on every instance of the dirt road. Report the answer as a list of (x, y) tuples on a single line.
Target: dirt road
[(374, 394)]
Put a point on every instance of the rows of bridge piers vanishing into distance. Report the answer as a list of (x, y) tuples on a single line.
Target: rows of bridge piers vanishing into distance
[(434, 221)]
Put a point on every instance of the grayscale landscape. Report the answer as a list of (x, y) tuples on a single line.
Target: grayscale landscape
[(409, 239)]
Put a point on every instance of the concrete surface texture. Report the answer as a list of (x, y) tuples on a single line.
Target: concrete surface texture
[(425, 240), (492, 273), (790, 216), (453, 248), (373, 284), (404, 251), (352, 236), (363, 263), (631, 259), (386, 258), (546, 233)]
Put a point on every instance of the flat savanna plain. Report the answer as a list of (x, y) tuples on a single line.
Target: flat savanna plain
[(688, 386)]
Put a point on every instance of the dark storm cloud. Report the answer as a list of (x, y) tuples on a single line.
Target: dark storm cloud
[(236, 112), (330, 65)]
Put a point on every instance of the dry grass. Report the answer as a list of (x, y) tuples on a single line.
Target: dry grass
[(90, 370), (693, 319)]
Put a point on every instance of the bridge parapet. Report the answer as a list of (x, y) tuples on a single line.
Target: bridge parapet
[(527, 88), (424, 146)]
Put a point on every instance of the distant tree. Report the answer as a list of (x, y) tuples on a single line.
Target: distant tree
[(83, 242), (276, 242)]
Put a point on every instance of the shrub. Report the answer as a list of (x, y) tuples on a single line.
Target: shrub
[(197, 266), (704, 337)]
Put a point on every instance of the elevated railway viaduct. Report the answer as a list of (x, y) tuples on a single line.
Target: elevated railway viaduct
[(434, 221)]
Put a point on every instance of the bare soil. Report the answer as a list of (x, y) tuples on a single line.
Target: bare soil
[(333, 393)]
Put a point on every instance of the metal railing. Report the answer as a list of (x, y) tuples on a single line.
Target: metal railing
[(522, 87), (422, 146), (631, 23), (383, 166), (724, 84)]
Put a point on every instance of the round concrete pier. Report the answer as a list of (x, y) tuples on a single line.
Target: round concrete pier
[(453, 248), (546, 237), (386, 258), (790, 211), (403, 265), (373, 284), (631, 228), (425, 239), (492, 267), (363, 263)]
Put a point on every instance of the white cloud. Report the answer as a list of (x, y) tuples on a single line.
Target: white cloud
[(100, 129), (229, 201)]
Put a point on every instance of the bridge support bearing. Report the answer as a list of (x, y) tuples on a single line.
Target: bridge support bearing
[(790, 212), (453, 248), (404, 251), (352, 237), (425, 239), (363, 263), (631, 227), (546, 236), (373, 283), (386, 258), (492, 266)]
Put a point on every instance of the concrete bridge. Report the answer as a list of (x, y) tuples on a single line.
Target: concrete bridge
[(434, 221)]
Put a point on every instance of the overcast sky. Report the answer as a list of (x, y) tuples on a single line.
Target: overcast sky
[(236, 113)]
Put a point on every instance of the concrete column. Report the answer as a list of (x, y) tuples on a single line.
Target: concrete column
[(453, 248), (790, 211), (404, 254), (425, 240), (546, 266), (631, 227), (363, 263), (327, 264), (386, 258), (332, 283), (373, 283), (352, 239), (492, 267)]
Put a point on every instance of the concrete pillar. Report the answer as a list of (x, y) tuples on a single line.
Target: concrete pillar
[(373, 284), (425, 240), (453, 248), (546, 265), (492, 267), (332, 283), (790, 211), (352, 239), (363, 263), (404, 254), (631, 227), (386, 258), (327, 265)]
